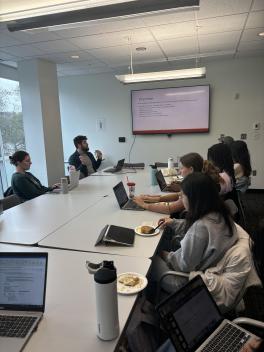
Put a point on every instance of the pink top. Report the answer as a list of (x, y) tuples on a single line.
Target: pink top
[(226, 186)]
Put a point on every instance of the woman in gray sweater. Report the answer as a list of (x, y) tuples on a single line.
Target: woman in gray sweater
[(206, 234)]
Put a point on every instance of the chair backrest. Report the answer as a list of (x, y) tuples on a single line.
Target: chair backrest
[(10, 201)]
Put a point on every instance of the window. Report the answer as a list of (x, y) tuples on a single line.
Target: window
[(11, 127)]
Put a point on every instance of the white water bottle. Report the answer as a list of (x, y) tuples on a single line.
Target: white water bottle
[(106, 302), (64, 185), (170, 163)]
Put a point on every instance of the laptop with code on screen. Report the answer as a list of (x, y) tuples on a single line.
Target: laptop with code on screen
[(194, 323), (22, 297)]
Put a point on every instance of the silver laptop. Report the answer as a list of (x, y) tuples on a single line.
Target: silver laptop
[(118, 167), (194, 322), (124, 202), (22, 297)]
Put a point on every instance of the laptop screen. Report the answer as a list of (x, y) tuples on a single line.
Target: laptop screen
[(23, 281), (120, 194), (192, 313), (120, 164), (161, 180)]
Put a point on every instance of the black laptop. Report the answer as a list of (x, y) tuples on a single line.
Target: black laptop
[(161, 182), (116, 236), (22, 297), (194, 322), (118, 167), (124, 202)]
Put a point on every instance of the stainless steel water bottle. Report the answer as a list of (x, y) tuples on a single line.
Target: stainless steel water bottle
[(106, 301)]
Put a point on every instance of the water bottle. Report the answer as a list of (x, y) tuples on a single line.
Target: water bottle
[(106, 301), (153, 179), (64, 185), (170, 163)]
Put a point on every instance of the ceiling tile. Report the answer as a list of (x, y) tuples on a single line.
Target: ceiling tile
[(258, 5), (219, 41), (22, 51), (66, 57), (55, 46), (222, 24), (34, 36), (214, 8), (5, 56), (255, 19), (179, 47), (113, 39), (173, 16), (7, 40), (252, 45), (173, 30), (252, 34)]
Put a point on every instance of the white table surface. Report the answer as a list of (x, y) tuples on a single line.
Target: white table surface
[(82, 232), (69, 322)]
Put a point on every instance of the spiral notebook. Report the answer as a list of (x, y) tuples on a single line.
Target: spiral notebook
[(116, 236)]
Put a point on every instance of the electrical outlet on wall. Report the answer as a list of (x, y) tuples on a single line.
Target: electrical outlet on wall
[(254, 172), (243, 136)]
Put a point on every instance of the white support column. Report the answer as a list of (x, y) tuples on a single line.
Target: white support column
[(41, 116)]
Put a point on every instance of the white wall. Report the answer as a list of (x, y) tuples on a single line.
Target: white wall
[(237, 101)]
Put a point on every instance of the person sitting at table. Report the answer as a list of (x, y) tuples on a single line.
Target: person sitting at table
[(242, 165), (84, 160), (206, 234), (171, 203), (24, 184), (220, 155)]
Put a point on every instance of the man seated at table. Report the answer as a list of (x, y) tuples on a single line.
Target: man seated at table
[(84, 160)]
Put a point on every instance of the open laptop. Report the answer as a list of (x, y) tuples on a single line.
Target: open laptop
[(124, 202), (194, 322), (22, 297), (118, 167), (161, 182)]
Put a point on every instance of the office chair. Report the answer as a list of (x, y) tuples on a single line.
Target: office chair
[(10, 201)]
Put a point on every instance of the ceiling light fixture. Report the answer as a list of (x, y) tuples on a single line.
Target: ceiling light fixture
[(109, 9), (75, 56), (198, 72), (261, 34)]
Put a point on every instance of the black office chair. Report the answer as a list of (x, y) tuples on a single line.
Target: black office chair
[(10, 201)]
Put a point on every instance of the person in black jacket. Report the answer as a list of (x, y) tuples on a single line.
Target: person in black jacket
[(24, 184), (84, 160)]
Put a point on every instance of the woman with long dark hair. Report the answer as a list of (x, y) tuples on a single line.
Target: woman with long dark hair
[(24, 184), (220, 155), (242, 165), (207, 232)]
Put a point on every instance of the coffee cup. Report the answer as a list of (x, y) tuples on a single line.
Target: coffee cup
[(131, 189)]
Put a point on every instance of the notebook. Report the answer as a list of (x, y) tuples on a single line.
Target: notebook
[(116, 235), (194, 322), (124, 202), (118, 167), (22, 297)]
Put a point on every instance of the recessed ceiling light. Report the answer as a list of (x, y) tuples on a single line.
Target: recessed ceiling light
[(141, 48), (75, 56), (261, 34)]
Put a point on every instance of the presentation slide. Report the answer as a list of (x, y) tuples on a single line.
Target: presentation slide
[(171, 110)]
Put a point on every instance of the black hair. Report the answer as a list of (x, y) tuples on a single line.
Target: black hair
[(220, 155), (240, 155), (193, 160), (203, 197), (18, 156), (78, 140)]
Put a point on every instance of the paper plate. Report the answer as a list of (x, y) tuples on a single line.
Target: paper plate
[(130, 290), (138, 232)]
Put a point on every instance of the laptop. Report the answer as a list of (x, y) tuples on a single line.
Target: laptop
[(22, 297), (116, 236), (118, 167), (161, 182), (124, 202), (194, 322)]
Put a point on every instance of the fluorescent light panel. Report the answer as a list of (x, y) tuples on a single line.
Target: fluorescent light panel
[(198, 72)]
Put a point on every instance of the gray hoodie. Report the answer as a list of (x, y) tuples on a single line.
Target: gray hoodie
[(203, 245)]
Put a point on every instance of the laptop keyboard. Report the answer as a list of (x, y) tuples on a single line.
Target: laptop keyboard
[(132, 205), (15, 326), (229, 338)]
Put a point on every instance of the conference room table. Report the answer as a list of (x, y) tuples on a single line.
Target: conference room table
[(69, 322)]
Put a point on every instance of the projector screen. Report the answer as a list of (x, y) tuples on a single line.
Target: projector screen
[(170, 110)]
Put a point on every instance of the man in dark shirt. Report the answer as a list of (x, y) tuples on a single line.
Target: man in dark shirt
[(82, 159)]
